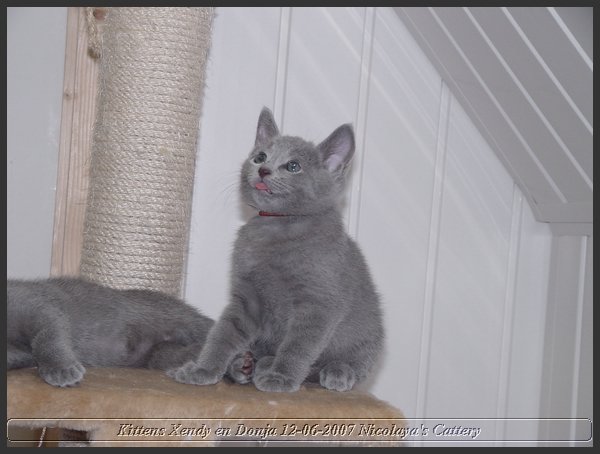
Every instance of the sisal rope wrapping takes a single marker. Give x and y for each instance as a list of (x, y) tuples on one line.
[(143, 154)]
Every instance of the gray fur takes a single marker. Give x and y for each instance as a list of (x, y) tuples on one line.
[(302, 300), (62, 325)]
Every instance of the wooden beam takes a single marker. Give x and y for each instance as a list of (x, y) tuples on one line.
[(78, 115)]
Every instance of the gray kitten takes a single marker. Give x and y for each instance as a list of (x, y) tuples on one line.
[(303, 306), (60, 325)]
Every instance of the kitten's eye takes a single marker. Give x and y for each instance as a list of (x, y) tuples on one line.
[(260, 158), (293, 166)]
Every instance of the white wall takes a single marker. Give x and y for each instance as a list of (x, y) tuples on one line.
[(34, 71), (460, 262)]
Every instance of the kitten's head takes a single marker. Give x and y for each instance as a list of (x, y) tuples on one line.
[(289, 175)]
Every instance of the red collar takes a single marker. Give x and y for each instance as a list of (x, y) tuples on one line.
[(267, 213)]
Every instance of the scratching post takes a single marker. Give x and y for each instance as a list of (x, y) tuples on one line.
[(151, 79)]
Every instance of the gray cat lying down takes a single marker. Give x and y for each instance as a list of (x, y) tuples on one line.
[(61, 325), (303, 305)]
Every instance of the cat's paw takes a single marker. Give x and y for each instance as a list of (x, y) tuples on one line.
[(192, 374), (337, 376), (62, 376), (266, 379), (276, 382), (241, 369)]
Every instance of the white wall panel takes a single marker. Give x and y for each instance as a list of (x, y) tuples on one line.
[(34, 75), (528, 317), (396, 196), (583, 407), (323, 70), (475, 227), (567, 376)]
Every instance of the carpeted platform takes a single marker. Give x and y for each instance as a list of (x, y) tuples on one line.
[(139, 407)]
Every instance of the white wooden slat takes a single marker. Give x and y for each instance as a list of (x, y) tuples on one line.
[(320, 96), (585, 56), (579, 21), (563, 323), (352, 211), (433, 250), (585, 387), (527, 340), (579, 340), (520, 113), (573, 228), (512, 269), (471, 277), (396, 197), (572, 212), (559, 54), (285, 19), (535, 84), (547, 69), (475, 97)]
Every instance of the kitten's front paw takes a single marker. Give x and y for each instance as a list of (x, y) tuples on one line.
[(337, 376), (193, 374), (62, 376), (266, 379), (276, 382)]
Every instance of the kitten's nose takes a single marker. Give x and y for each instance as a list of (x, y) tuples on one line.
[(263, 172)]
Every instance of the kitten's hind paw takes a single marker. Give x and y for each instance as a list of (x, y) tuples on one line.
[(62, 376), (190, 373), (241, 369), (337, 376)]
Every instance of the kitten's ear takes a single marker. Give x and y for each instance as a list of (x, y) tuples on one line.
[(338, 148), (266, 129)]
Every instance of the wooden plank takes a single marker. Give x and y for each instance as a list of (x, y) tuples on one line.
[(78, 113)]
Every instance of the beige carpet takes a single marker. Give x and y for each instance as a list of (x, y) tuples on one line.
[(139, 407)]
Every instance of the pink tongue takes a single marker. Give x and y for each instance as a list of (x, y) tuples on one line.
[(261, 186)]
